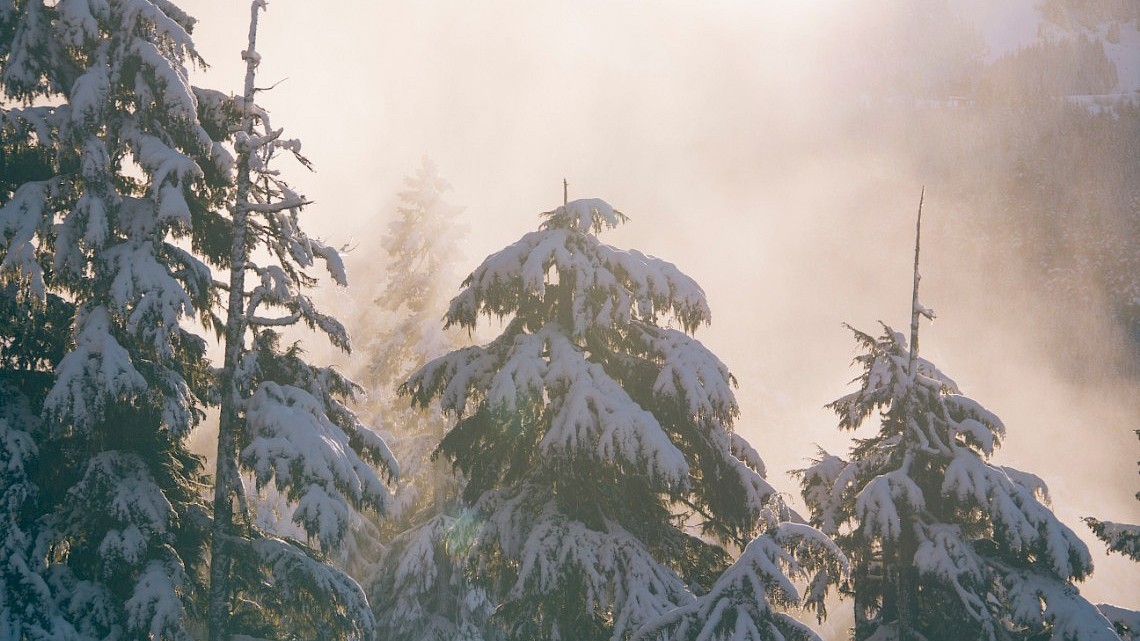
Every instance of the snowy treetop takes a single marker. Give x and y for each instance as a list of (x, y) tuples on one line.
[(585, 215), (586, 425), (422, 245), (601, 285), (945, 418)]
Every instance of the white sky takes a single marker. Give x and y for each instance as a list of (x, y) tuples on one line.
[(710, 125)]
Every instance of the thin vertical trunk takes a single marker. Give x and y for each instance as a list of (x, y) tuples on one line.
[(227, 484), (906, 577), (916, 309), (863, 586)]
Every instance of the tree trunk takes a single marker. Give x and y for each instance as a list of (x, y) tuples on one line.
[(907, 581), (864, 583), (227, 484)]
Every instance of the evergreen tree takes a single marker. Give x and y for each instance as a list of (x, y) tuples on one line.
[(943, 543), (283, 419), (604, 480), (422, 244), (111, 164), (418, 588), (115, 171), (923, 514)]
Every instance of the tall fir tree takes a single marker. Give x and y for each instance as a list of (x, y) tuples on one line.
[(418, 588), (110, 171), (283, 419), (402, 332), (604, 479), (116, 172), (943, 543)]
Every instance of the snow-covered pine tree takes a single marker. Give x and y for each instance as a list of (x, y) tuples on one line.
[(604, 480), (283, 419), (112, 167), (943, 543), (402, 332), (418, 588)]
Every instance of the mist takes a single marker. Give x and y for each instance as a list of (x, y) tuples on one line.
[(757, 146)]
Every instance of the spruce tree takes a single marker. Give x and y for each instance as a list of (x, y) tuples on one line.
[(604, 479), (418, 588), (117, 175), (401, 331), (110, 162), (283, 419), (943, 543)]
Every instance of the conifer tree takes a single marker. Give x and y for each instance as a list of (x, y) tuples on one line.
[(943, 543), (283, 419), (402, 332), (603, 476), (418, 588), (115, 174), (110, 163)]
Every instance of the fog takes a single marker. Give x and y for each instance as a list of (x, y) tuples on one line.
[(742, 139)]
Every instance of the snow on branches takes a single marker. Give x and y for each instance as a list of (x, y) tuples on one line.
[(739, 607), (312, 460), (982, 537), (97, 371), (601, 285), (423, 593), (582, 426)]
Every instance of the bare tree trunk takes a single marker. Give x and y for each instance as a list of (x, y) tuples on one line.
[(906, 576), (227, 484)]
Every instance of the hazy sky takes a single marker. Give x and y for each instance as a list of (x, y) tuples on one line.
[(713, 126)]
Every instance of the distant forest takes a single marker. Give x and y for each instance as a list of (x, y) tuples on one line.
[(1041, 155)]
